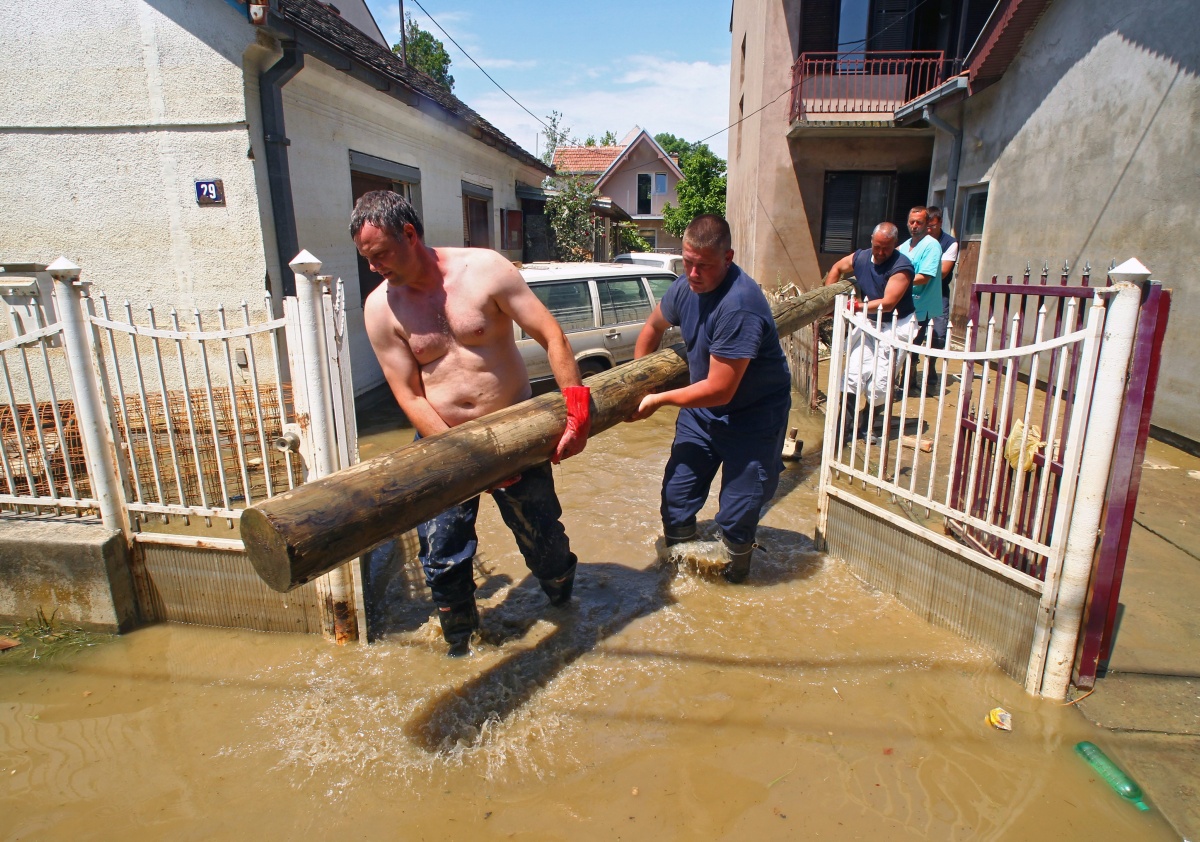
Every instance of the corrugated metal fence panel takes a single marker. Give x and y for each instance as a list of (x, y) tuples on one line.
[(947, 590), (220, 588)]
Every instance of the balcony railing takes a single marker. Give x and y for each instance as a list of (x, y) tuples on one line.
[(865, 86)]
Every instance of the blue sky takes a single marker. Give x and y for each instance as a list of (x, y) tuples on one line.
[(660, 65)]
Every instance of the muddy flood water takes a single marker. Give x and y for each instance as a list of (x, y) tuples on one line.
[(803, 704)]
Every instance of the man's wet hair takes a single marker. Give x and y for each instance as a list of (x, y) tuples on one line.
[(934, 212), (887, 229), (709, 231), (919, 209), (387, 211)]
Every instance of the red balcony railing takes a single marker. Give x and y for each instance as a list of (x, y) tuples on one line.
[(864, 86)]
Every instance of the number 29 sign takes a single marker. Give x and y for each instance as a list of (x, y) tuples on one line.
[(210, 192)]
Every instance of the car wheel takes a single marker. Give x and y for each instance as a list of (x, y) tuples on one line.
[(591, 366)]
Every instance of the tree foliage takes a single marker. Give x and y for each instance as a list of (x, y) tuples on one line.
[(702, 189), (628, 238), (569, 213), (555, 133), (426, 53), (608, 139)]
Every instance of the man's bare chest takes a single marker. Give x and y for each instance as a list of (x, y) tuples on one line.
[(434, 327)]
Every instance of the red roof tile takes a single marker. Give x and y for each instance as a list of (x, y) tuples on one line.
[(585, 160)]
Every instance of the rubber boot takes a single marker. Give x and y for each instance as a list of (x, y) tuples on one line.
[(559, 590), (678, 534), (459, 622), (739, 560)]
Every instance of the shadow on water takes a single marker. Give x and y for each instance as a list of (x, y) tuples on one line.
[(607, 598)]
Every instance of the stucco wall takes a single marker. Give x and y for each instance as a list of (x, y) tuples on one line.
[(116, 107), (113, 109), (1088, 146)]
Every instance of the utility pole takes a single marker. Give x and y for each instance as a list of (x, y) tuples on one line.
[(403, 37)]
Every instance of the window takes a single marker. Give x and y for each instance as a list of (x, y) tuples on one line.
[(650, 235), (659, 284), (643, 194), (570, 302), (477, 215), (973, 213), (369, 173), (511, 236), (623, 300), (660, 183), (855, 202)]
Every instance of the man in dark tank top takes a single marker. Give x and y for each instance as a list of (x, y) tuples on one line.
[(884, 279)]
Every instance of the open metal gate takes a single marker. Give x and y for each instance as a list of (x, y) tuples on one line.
[(970, 482)]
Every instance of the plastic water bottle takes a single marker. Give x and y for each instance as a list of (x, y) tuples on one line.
[(1122, 784)]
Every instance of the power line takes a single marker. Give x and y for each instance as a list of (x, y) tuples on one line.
[(481, 70)]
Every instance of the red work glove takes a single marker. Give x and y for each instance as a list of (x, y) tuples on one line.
[(579, 422), (858, 305)]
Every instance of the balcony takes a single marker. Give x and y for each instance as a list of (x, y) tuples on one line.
[(860, 88)]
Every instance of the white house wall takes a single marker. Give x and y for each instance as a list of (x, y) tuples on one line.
[(1088, 145), (113, 109)]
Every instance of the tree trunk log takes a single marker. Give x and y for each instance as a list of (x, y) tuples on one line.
[(296, 536)]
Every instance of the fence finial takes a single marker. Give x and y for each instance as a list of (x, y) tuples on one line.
[(63, 270)]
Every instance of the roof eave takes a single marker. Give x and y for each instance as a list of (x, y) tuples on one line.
[(332, 55)]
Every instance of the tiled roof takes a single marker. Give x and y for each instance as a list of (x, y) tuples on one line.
[(585, 160), (1001, 39), (318, 21)]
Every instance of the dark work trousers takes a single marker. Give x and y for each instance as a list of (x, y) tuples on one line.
[(750, 464), (531, 510)]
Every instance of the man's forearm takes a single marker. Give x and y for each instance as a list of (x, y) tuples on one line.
[(562, 362)]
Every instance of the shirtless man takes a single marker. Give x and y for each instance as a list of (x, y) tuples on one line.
[(442, 329)]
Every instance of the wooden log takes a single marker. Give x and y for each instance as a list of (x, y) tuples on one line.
[(296, 536)]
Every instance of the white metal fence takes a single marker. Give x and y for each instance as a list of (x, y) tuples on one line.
[(164, 425), (970, 531)]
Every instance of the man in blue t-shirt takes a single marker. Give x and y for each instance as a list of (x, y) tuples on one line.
[(949, 260), (733, 414), (884, 279)]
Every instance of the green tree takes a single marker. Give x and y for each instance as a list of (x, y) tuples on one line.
[(609, 139), (426, 53), (673, 145), (628, 238), (555, 133), (702, 189), (569, 213)]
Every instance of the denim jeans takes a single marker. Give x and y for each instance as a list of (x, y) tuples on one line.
[(750, 464), (531, 510)]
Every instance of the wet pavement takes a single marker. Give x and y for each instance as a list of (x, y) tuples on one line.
[(803, 704)]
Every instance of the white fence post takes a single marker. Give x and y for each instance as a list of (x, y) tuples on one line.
[(316, 366), (89, 408), (1103, 416), (337, 586)]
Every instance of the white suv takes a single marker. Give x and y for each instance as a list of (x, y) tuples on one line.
[(601, 307), (673, 263)]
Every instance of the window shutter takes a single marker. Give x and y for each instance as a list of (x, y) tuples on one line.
[(889, 29), (818, 26), (841, 206)]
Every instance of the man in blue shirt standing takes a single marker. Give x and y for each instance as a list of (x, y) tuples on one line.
[(733, 414), (925, 254), (949, 260)]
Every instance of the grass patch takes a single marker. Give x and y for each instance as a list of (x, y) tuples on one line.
[(45, 640)]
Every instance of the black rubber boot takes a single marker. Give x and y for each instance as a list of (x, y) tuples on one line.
[(559, 590), (678, 534), (739, 560), (459, 622)]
